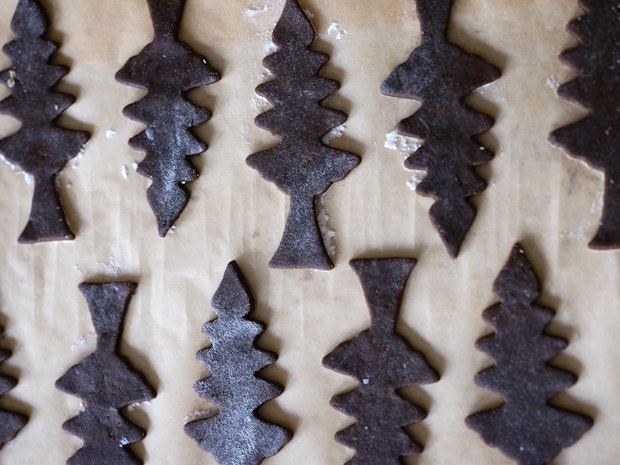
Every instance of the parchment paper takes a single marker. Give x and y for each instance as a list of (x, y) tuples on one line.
[(537, 195)]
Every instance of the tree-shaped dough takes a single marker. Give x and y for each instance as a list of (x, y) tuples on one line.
[(300, 165), (527, 428), (596, 138), (40, 147), (10, 422), (106, 382), (167, 68), (440, 75), (236, 435), (383, 363)]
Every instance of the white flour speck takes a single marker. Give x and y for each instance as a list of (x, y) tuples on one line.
[(110, 133), (323, 219), (112, 267), (334, 28), (396, 141), (415, 179), (124, 171), (336, 132), (79, 342), (256, 10), (130, 407), (198, 415), (553, 83)]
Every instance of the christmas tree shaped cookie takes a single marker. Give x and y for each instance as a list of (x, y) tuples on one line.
[(40, 147), (10, 422), (236, 435), (596, 138), (527, 428), (106, 382), (301, 165), (440, 75), (167, 68), (383, 362)]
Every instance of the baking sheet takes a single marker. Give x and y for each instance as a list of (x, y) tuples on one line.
[(537, 195)]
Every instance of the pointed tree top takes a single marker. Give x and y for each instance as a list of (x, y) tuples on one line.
[(107, 303), (517, 280), (293, 26), (166, 16), (233, 297), (383, 281), (29, 19)]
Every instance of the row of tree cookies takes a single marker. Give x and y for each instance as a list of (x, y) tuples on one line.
[(438, 73), (526, 427)]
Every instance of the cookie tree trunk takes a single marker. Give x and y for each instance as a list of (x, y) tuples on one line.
[(300, 165), (40, 147)]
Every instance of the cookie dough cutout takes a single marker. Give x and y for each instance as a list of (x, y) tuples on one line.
[(10, 422), (236, 435), (106, 382), (301, 165), (526, 428), (167, 68), (383, 363), (40, 147), (440, 75), (596, 138)]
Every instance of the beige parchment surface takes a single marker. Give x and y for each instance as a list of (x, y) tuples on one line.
[(537, 195)]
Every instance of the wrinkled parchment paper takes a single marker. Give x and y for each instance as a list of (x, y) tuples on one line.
[(537, 195)]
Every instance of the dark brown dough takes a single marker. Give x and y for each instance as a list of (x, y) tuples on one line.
[(41, 148), (440, 75), (106, 382), (10, 422), (596, 138), (383, 362), (300, 165), (527, 428), (167, 68), (236, 435)]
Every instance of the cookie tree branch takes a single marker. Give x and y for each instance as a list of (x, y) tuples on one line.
[(236, 435), (596, 138), (441, 75), (527, 428), (167, 68), (41, 148), (383, 363), (10, 422), (301, 165), (106, 382)]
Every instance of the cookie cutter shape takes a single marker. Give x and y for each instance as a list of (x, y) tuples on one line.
[(596, 138), (10, 422), (106, 382), (236, 435), (40, 147), (167, 68), (383, 362), (440, 75), (526, 428), (301, 165)]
